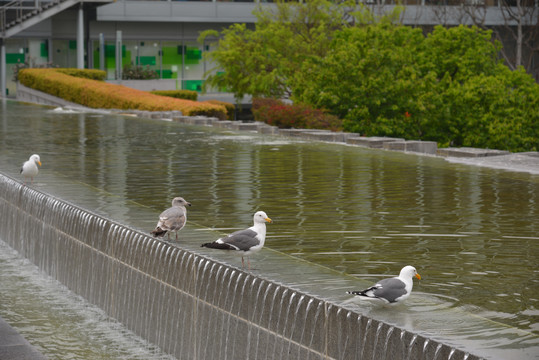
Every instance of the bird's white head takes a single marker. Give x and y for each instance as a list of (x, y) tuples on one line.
[(409, 272), (179, 201), (261, 217), (35, 158)]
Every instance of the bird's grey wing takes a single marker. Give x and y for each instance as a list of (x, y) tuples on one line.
[(243, 239), (172, 219), (390, 289)]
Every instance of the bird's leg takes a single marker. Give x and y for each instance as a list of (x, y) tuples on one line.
[(248, 263), (176, 235), (242, 264)]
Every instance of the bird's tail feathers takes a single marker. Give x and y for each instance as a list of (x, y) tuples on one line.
[(362, 292), (216, 245), (158, 232)]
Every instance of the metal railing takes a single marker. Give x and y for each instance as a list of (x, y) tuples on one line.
[(17, 11)]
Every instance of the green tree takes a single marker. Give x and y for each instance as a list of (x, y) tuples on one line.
[(370, 79), (449, 87), (261, 61)]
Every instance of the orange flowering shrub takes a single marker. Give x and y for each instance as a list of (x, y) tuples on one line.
[(299, 116), (102, 95)]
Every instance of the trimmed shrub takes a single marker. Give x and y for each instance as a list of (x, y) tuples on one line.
[(178, 94), (99, 75), (230, 108), (275, 112), (99, 94)]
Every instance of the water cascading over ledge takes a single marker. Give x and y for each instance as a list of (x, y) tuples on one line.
[(189, 305)]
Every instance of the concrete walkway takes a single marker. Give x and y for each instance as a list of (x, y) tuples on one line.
[(14, 347)]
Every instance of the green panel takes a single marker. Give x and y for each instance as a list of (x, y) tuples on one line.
[(126, 57), (72, 44), (172, 55), (110, 63), (146, 60), (110, 50), (193, 55), (195, 85), (167, 74), (44, 50), (14, 58)]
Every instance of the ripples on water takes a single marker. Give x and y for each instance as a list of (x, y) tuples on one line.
[(471, 232)]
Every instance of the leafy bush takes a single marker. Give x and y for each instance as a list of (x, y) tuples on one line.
[(99, 94), (275, 112), (137, 72), (178, 94), (448, 87)]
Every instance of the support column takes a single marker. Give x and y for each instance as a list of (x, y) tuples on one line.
[(3, 68), (119, 55), (80, 39), (101, 51)]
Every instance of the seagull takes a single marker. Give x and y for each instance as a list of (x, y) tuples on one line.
[(247, 241), (172, 219), (391, 290), (29, 169)]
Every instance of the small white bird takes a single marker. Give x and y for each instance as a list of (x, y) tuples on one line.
[(392, 290), (172, 219), (29, 169), (247, 241)]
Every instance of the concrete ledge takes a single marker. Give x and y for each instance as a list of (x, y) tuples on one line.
[(30, 95), (424, 147), (469, 152), (15, 347), (374, 142)]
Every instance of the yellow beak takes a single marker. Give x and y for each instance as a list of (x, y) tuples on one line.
[(39, 162), (418, 276), (268, 220)]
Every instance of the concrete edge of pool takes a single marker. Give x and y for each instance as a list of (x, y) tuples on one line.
[(27, 94), (178, 299)]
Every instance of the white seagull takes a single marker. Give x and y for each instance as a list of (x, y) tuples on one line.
[(29, 169), (392, 290), (172, 219), (247, 241)]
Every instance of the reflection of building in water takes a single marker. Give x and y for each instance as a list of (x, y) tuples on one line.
[(161, 36)]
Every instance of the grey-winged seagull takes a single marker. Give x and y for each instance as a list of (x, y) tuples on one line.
[(247, 241), (172, 219), (29, 169), (392, 290)]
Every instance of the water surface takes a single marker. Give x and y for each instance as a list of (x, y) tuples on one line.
[(471, 232)]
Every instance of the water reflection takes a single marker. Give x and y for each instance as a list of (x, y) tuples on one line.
[(471, 232)]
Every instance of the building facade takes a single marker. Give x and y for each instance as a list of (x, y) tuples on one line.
[(161, 36)]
